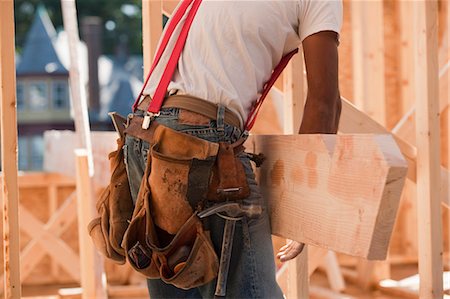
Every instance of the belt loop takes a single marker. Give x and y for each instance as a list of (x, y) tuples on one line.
[(220, 118)]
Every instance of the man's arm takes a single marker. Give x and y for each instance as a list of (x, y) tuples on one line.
[(323, 102)]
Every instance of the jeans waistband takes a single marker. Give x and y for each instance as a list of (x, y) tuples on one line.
[(216, 112)]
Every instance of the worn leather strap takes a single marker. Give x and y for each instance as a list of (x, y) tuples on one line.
[(195, 105), (135, 129)]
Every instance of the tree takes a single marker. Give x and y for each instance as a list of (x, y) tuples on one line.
[(122, 20)]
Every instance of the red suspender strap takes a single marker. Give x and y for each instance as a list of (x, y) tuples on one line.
[(165, 40), (275, 74), (161, 90)]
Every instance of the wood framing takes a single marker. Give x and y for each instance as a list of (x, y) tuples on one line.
[(355, 121), (368, 58), (313, 182), (428, 148), (78, 92), (151, 30), (294, 94), (92, 280), (294, 102), (46, 236), (8, 121)]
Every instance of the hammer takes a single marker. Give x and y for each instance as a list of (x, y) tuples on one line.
[(235, 211)]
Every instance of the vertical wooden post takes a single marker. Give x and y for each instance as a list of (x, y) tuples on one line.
[(52, 191), (93, 280), (92, 274), (294, 99), (294, 94), (428, 148), (151, 30), (406, 55), (368, 58), (78, 92), (8, 120), (298, 278)]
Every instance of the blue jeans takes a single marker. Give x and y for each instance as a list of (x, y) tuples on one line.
[(252, 267)]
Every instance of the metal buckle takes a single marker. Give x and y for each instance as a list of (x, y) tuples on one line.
[(148, 119)]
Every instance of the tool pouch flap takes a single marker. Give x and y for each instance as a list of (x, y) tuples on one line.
[(139, 255), (189, 260), (172, 158), (228, 181), (115, 207)]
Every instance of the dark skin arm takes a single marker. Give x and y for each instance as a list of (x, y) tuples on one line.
[(323, 102)]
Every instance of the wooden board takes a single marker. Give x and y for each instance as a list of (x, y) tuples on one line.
[(8, 119), (336, 192), (428, 152)]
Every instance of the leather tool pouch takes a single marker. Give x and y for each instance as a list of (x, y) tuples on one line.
[(228, 181), (174, 245), (115, 208)]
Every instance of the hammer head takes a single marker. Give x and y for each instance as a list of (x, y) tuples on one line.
[(233, 209)]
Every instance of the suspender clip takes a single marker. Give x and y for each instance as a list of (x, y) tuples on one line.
[(148, 119)]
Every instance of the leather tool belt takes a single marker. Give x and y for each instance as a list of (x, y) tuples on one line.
[(162, 237)]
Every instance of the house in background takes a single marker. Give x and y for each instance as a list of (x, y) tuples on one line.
[(43, 95)]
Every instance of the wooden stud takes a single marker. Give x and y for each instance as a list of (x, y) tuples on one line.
[(93, 280), (294, 94), (294, 99), (151, 30), (334, 273), (368, 58), (78, 92), (447, 191), (428, 148), (298, 278), (53, 206), (406, 55), (8, 123)]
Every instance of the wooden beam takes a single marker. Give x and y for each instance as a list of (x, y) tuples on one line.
[(151, 30), (428, 148), (315, 182), (334, 274), (356, 121), (78, 92), (93, 280), (54, 247), (406, 55), (294, 102), (30, 180), (298, 278), (294, 94), (8, 123), (368, 58)]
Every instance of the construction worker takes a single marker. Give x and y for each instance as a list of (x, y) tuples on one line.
[(229, 55)]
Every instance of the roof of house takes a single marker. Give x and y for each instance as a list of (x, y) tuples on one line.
[(39, 56), (46, 53)]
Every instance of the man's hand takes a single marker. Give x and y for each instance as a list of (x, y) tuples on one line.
[(290, 251)]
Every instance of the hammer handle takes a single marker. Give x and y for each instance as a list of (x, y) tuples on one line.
[(225, 256)]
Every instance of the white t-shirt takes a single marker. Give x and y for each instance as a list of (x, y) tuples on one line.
[(233, 46)]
